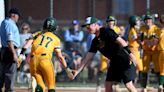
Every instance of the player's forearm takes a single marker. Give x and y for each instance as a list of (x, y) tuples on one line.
[(62, 60), (84, 63), (86, 60), (28, 44)]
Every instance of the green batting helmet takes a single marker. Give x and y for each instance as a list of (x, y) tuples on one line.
[(147, 16), (110, 18), (50, 24), (133, 19)]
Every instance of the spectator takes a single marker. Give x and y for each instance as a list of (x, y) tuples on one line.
[(24, 35), (73, 37), (76, 59), (10, 42)]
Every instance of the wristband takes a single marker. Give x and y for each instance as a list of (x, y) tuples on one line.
[(23, 50)]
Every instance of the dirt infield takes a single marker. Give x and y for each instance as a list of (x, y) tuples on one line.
[(83, 89)]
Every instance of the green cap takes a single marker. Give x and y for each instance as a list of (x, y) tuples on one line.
[(110, 18), (90, 20), (148, 17)]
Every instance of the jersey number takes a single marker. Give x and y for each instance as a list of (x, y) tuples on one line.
[(48, 40)]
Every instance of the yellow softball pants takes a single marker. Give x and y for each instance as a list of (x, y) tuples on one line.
[(150, 56), (136, 53), (41, 67), (103, 63), (161, 62)]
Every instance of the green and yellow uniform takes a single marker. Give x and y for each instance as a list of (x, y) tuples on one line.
[(117, 29), (41, 66), (161, 57), (150, 52), (134, 47), (103, 63)]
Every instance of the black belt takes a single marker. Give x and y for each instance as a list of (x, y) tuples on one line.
[(43, 54)]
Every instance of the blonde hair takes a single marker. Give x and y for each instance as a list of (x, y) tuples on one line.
[(27, 25)]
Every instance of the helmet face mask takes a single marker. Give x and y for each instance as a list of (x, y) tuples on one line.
[(50, 24)]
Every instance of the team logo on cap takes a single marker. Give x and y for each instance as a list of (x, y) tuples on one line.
[(88, 20)]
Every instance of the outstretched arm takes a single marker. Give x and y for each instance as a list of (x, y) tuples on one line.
[(60, 57), (23, 50), (28, 43), (85, 61), (63, 62)]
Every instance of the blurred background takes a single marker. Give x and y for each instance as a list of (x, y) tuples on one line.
[(34, 12), (65, 11)]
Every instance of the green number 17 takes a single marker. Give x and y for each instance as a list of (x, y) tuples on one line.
[(47, 42)]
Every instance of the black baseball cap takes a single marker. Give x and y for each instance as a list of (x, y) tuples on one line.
[(14, 11)]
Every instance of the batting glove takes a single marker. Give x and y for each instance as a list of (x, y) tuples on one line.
[(20, 59)]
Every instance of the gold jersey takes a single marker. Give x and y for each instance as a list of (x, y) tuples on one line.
[(161, 41), (117, 29), (132, 38), (149, 35), (45, 43)]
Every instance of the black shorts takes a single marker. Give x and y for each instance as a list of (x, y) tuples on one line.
[(120, 70)]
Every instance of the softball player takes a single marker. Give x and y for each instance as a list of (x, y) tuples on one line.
[(150, 54), (161, 54), (133, 39), (111, 23), (43, 45)]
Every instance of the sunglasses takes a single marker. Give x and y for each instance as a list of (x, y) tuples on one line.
[(25, 28)]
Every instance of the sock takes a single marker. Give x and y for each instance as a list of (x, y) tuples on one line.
[(144, 80), (51, 90), (38, 88)]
